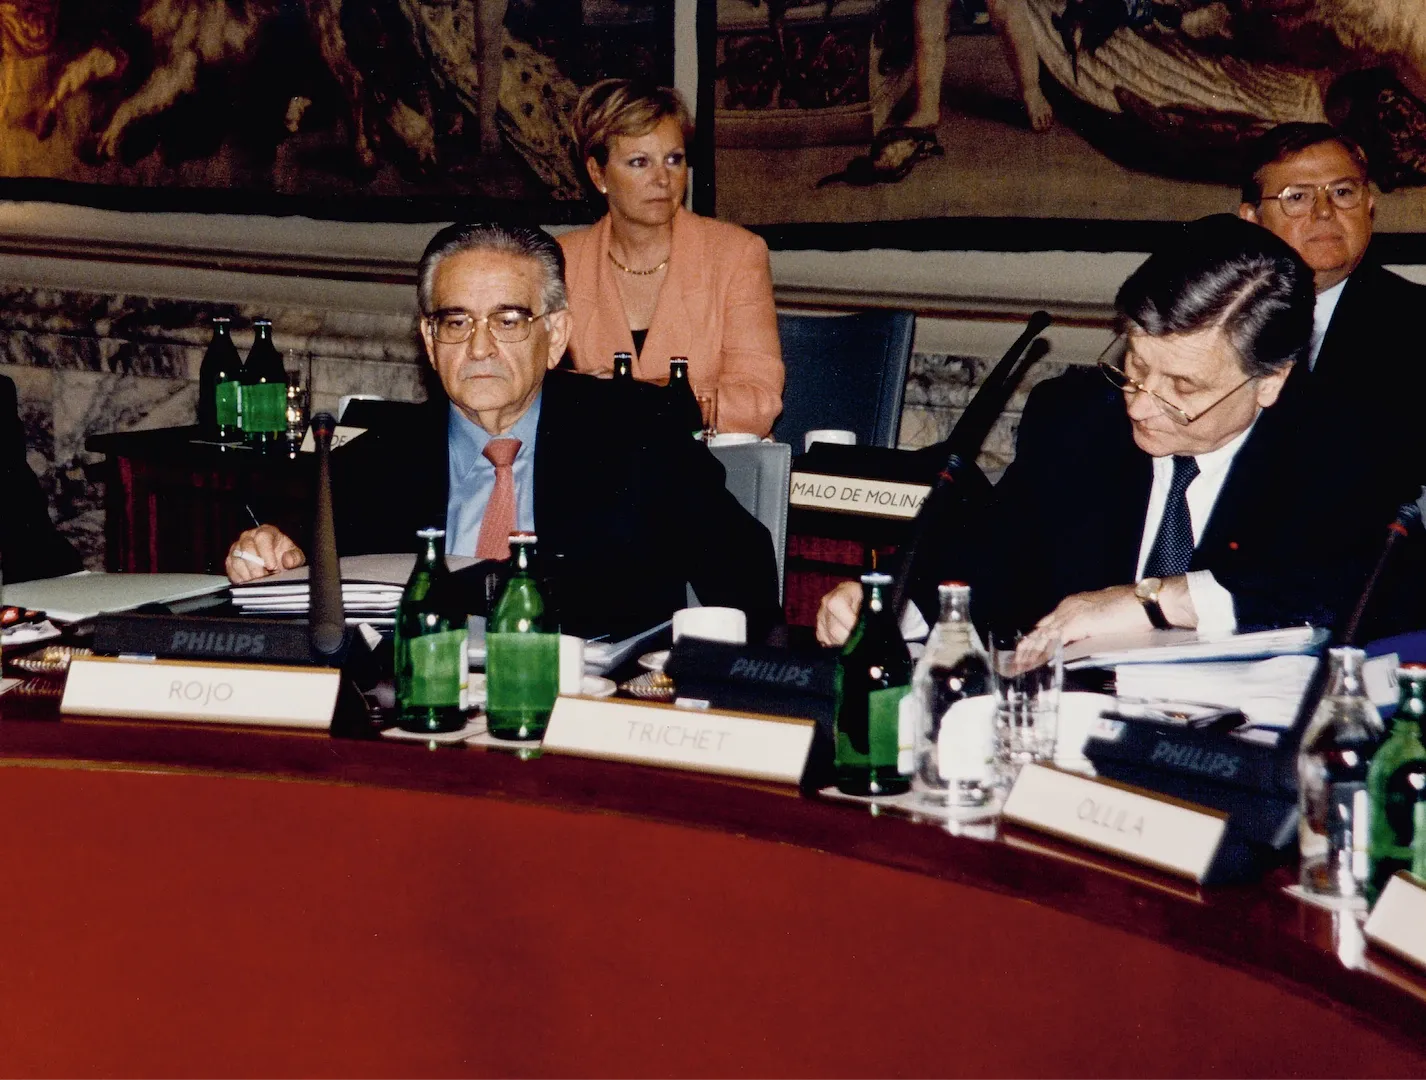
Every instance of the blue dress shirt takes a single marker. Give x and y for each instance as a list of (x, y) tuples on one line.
[(471, 476)]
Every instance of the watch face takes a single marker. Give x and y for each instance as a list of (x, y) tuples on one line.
[(1148, 589)]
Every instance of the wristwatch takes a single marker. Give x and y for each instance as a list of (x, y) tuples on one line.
[(1147, 593)]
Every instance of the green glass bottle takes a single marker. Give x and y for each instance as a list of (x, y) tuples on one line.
[(430, 643), (1396, 788), (521, 652), (682, 399), (873, 675), (264, 390), (218, 381)]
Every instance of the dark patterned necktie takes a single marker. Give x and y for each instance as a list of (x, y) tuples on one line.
[(1173, 547)]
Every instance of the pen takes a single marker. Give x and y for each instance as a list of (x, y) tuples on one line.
[(256, 523), (249, 557)]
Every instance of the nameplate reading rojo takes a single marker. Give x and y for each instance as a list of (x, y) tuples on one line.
[(263, 694), (734, 744), (1139, 826), (1398, 922), (857, 495)]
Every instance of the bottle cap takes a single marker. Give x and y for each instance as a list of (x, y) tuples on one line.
[(947, 586), (223, 320), (524, 538), (682, 360), (876, 577), (262, 320), (1415, 672), (430, 534)]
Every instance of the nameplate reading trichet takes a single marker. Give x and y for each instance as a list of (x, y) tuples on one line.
[(703, 740), (1398, 922), (264, 694), (1144, 828)]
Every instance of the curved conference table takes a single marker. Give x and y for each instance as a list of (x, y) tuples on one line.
[(194, 900)]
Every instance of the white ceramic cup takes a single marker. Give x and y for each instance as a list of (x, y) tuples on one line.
[(571, 664), (733, 438), (840, 436), (711, 624)]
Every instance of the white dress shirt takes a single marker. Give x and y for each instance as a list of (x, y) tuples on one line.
[(1212, 602), (1322, 317)]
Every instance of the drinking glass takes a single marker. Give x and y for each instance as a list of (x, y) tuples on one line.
[(1028, 675), (299, 398), (708, 406)]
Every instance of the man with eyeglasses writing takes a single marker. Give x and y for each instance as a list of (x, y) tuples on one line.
[(1161, 489), (628, 509)]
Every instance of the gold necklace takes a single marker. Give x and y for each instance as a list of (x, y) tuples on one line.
[(640, 273)]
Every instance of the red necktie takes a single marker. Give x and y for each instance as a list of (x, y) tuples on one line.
[(499, 520)]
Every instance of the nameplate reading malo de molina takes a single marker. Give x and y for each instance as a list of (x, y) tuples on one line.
[(857, 495)]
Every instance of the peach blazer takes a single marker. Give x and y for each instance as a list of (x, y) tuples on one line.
[(715, 307)]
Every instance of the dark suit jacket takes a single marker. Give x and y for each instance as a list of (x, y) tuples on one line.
[(1068, 517), (1363, 401), (30, 545), (628, 508)]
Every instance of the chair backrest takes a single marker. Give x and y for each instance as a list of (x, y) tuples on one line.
[(758, 475), (844, 371)]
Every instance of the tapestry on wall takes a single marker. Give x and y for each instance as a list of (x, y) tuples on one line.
[(380, 109), (1025, 111)]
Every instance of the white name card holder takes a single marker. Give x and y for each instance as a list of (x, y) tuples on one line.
[(1154, 830), (702, 740), (341, 435), (1398, 922), (857, 495), (262, 694)]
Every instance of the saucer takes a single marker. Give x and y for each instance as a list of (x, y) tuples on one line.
[(654, 661)]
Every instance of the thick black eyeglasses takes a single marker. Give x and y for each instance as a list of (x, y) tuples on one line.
[(1120, 379), (456, 325)]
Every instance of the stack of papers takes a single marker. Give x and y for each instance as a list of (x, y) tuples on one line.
[(1268, 692), (371, 588), (1168, 646)]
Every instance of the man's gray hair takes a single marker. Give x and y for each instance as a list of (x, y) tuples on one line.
[(528, 241)]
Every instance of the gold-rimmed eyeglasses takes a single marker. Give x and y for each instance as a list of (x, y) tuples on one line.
[(454, 326), (1297, 200), (1120, 379)]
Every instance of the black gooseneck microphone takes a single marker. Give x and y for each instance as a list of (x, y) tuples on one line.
[(1407, 516), (327, 622), (959, 480)]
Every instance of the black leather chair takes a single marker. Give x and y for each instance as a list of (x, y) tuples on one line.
[(844, 371)]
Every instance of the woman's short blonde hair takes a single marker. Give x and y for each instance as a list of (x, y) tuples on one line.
[(626, 107)]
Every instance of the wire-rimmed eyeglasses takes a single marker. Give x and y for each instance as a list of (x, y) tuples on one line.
[(1120, 379), (453, 326), (1297, 200)]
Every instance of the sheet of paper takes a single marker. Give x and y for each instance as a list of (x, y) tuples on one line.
[(86, 594)]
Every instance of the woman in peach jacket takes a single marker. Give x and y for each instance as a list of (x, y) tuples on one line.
[(655, 280)]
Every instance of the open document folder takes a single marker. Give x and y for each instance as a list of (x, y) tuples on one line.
[(86, 594), (371, 587), (1174, 646)]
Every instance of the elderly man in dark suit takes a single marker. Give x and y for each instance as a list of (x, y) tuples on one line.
[(1164, 489), (628, 509), (1365, 376), (30, 545)]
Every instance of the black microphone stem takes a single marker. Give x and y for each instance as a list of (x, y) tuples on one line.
[(326, 617)]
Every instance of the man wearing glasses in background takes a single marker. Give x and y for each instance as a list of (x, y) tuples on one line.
[(1365, 376), (1167, 487), (628, 508)]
